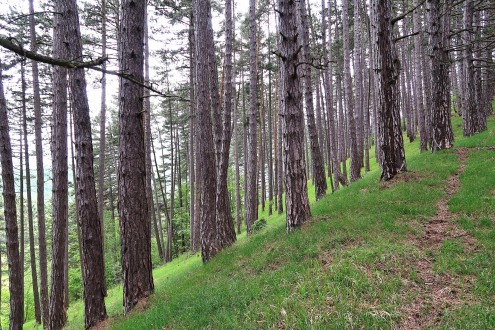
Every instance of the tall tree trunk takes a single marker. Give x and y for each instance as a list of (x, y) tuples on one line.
[(238, 206), (297, 202), (385, 65), (10, 213), (226, 229), (133, 206), (251, 205), (351, 121), (442, 135), (270, 131), (472, 121), (358, 82), (280, 179), (103, 111), (40, 179), (194, 244), (22, 219), (147, 143), (419, 99), (339, 178), (92, 239), (318, 167), (58, 312), (74, 180), (32, 253), (209, 244), (164, 197), (262, 136), (170, 218)]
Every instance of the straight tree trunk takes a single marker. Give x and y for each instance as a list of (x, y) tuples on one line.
[(351, 121), (58, 312), (133, 207), (419, 99), (225, 223), (385, 65), (358, 81), (91, 224), (206, 151), (194, 244), (103, 111), (442, 135), (40, 179), (472, 113), (16, 318), (297, 202), (238, 206), (262, 138), (32, 253), (74, 180), (318, 167), (251, 205), (270, 131), (280, 179), (147, 143), (170, 218), (22, 228), (339, 178)]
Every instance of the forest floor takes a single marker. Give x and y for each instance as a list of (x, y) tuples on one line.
[(417, 252)]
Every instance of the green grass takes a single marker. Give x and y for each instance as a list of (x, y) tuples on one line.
[(349, 267)]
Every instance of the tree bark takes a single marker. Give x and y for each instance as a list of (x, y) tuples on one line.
[(9, 208), (318, 167), (297, 203), (32, 253), (194, 244), (355, 165), (133, 207), (419, 99), (439, 14), (209, 244), (339, 178), (386, 67), (40, 182), (225, 223), (58, 313), (103, 111), (91, 223), (251, 205)]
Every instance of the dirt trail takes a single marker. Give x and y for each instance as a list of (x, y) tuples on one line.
[(435, 292)]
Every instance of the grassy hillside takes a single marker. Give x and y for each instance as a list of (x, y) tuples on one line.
[(360, 262)]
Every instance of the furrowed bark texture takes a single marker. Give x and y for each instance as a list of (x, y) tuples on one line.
[(320, 180), (40, 182), (16, 318), (355, 163), (225, 223), (297, 203), (386, 67), (441, 126), (251, 205), (133, 207), (206, 151), (90, 221), (58, 313)]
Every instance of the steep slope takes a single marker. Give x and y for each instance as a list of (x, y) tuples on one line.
[(369, 258)]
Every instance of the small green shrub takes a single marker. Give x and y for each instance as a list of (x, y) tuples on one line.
[(258, 225)]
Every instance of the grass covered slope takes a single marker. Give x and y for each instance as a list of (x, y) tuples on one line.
[(354, 265)]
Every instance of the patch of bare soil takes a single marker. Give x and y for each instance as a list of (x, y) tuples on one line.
[(401, 177), (103, 325), (141, 305), (435, 292)]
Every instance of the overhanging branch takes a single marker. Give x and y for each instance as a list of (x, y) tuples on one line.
[(8, 44)]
